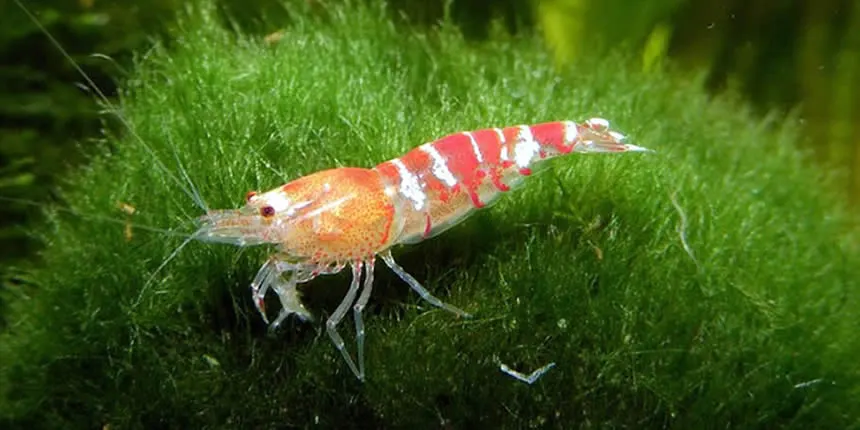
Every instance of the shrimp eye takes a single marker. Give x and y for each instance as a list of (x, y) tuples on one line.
[(250, 195), (267, 211)]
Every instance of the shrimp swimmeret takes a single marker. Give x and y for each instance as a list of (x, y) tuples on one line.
[(348, 216)]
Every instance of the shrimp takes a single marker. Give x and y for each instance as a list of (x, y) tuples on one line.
[(326, 221)]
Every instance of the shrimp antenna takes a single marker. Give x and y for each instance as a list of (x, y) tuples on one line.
[(99, 218), (192, 190), (158, 269)]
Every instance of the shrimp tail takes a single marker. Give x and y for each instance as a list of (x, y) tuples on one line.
[(594, 135)]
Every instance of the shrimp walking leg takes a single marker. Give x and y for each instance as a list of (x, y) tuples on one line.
[(340, 312), (359, 306), (389, 260)]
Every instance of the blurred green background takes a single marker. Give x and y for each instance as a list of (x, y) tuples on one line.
[(785, 57)]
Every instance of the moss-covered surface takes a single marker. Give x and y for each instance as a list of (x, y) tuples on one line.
[(710, 284)]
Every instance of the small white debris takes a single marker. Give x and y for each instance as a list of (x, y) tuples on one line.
[(808, 383), (528, 379)]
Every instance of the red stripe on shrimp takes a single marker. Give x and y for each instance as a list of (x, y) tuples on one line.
[(458, 159), (519, 148), (420, 163), (552, 138), (489, 144), (489, 141), (389, 172)]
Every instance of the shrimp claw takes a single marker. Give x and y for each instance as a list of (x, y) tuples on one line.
[(269, 276)]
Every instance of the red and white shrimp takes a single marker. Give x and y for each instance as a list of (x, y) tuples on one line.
[(348, 216)]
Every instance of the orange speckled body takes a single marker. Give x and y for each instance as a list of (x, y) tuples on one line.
[(350, 216)]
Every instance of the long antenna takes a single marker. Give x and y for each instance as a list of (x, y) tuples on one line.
[(98, 217), (192, 191)]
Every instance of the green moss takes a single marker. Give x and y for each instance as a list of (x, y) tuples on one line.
[(704, 285)]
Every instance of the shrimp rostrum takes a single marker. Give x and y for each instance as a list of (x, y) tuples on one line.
[(326, 221)]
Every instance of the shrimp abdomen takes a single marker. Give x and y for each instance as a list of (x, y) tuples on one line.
[(443, 182)]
